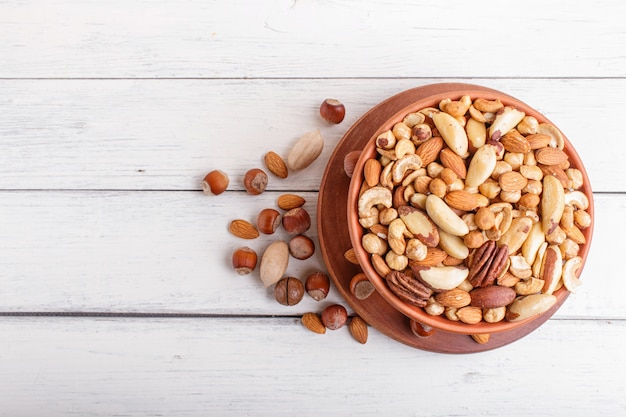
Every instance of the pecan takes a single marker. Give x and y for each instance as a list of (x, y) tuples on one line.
[(408, 288), (487, 264)]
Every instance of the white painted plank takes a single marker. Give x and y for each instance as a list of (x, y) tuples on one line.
[(170, 252), (238, 39), (166, 134), (271, 367)]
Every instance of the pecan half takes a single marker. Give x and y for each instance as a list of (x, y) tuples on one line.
[(408, 288), (487, 264)]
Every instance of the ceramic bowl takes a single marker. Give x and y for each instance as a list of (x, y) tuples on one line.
[(418, 314)]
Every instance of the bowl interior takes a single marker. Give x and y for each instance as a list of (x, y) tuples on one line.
[(356, 231)]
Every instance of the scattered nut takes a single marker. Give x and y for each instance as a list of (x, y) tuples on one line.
[(268, 221), (289, 291), (333, 111), (255, 181), (276, 165), (334, 316), (244, 260), (243, 229), (313, 322), (290, 201), (215, 182), (301, 247), (358, 329), (296, 221), (317, 285)]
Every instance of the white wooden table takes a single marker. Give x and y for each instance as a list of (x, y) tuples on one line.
[(116, 292)]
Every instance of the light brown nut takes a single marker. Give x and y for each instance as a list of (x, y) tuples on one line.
[(386, 140), (512, 181), (474, 239), (243, 229), (538, 140), (453, 298), (401, 131), (571, 269), (494, 315), (452, 132), (530, 286), (276, 165), (380, 265), (274, 262), (481, 166), (516, 234), (552, 203), (550, 156), (372, 171), (556, 138), (290, 201), (476, 131), (433, 307), (465, 201), (434, 256), (528, 125), (350, 256), (429, 150), (358, 329), (445, 217), (485, 219), (506, 119), (453, 245), (374, 244), (450, 159), (313, 322), (306, 150), (514, 141), (470, 315)]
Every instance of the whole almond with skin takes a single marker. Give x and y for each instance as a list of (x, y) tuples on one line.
[(243, 229), (538, 140), (372, 171), (313, 322), (515, 142), (358, 329), (550, 156), (512, 181), (305, 151), (290, 201), (276, 165), (451, 160), (429, 150), (455, 297), (465, 201), (434, 256), (470, 314), (481, 338)]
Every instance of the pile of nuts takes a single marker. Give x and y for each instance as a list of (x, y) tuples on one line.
[(472, 211), (295, 220)]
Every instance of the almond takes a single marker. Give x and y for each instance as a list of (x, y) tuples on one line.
[(429, 150), (276, 165), (350, 256), (481, 338), (372, 171), (313, 322), (512, 181), (358, 329), (465, 201), (470, 314), (538, 140), (451, 160), (550, 156), (515, 142), (455, 297), (290, 201), (434, 256), (243, 229)]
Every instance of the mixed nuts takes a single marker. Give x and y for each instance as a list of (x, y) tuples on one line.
[(473, 211)]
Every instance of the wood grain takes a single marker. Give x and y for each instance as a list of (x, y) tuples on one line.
[(265, 39), (167, 134), (137, 367)]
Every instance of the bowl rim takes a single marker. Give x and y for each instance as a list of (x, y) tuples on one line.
[(356, 231)]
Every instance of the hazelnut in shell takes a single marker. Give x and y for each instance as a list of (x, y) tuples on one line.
[(255, 181), (332, 110), (244, 260), (289, 291), (215, 182), (268, 221), (317, 285), (334, 316), (296, 221)]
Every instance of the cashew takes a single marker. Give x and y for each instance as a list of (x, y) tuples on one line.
[(401, 131), (529, 286), (519, 267), (569, 249), (571, 269), (488, 106), (556, 138), (373, 197), (577, 200), (385, 176), (416, 250), (528, 125), (404, 147), (397, 228), (433, 307), (575, 177), (404, 164), (582, 219), (413, 119)]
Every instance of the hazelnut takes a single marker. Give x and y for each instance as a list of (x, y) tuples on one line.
[(289, 291), (421, 330), (215, 182), (334, 316), (484, 218), (301, 247), (255, 181), (333, 111), (361, 287), (268, 221), (317, 285), (244, 260), (296, 221)]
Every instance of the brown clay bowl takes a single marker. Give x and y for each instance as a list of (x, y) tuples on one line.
[(356, 231)]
